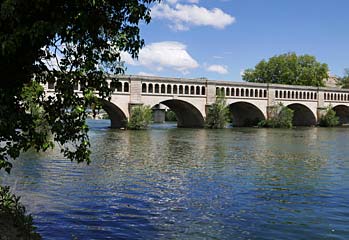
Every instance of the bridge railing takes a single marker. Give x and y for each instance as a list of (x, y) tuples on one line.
[(242, 92), (173, 89), (336, 96), (296, 95)]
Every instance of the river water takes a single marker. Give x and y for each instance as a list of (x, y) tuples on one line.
[(169, 183)]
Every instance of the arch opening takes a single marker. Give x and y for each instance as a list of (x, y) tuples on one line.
[(144, 88), (203, 90), (245, 114), (117, 117), (150, 88), (302, 115), (197, 90), (342, 112), (188, 116), (126, 87), (175, 89)]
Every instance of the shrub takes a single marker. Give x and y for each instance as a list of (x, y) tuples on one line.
[(281, 117), (14, 223), (141, 117), (329, 119), (285, 118), (218, 114), (170, 116), (105, 116)]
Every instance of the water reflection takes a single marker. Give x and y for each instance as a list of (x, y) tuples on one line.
[(169, 183)]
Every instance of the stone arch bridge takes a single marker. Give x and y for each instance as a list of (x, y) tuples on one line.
[(248, 102)]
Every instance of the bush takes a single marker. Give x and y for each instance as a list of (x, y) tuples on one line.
[(285, 118), (41, 130), (170, 116), (281, 117), (105, 116), (218, 114), (141, 117), (329, 119), (14, 223)]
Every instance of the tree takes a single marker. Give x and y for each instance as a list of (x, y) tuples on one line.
[(280, 117), (65, 42), (218, 113), (141, 117), (289, 69), (170, 116), (344, 81), (329, 119)]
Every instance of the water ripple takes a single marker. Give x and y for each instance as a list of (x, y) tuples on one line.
[(170, 183)]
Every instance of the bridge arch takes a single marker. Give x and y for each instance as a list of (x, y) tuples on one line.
[(302, 115), (342, 112), (188, 116), (245, 114), (117, 117)]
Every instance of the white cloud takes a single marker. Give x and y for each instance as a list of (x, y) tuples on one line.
[(126, 57), (218, 69), (146, 74), (176, 1), (183, 16), (163, 55)]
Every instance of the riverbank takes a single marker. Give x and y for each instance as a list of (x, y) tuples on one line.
[(15, 224)]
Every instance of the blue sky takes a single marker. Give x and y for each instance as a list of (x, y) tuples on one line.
[(218, 39)]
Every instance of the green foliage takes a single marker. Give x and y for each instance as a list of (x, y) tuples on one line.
[(14, 223), (329, 119), (281, 117), (289, 69), (218, 113), (141, 117), (41, 130), (344, 81), (170, 116), (64, 42), (105, 116)]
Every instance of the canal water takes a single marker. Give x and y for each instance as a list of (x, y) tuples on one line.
[(169, 183)]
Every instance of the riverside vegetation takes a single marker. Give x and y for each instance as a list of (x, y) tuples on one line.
[(218, 113), (329, 119), (140, 118), (170, 116), (14, 222), (281, 117)]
